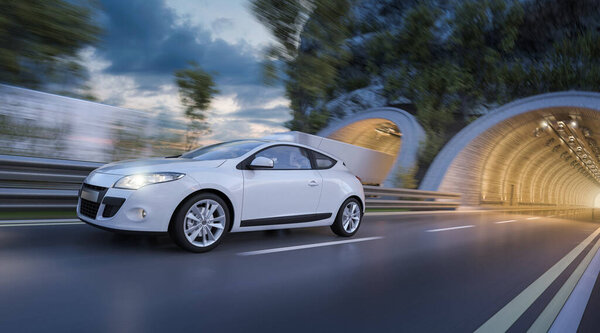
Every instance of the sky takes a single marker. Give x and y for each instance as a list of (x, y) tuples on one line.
[(145, 41)]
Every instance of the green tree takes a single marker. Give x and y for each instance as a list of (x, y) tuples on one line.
[(453, 60), (40, 42), (311, 65), (196, 91)]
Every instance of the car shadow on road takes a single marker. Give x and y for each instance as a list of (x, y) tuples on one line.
[(83, 239)]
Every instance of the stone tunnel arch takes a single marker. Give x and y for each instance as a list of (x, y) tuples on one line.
[(538, 151), (389, 130)]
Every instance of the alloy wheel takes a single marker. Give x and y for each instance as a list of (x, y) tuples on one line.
[(204, 223), (351, 217)]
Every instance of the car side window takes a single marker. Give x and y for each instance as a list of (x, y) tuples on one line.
[(287, 157), (322, 161)]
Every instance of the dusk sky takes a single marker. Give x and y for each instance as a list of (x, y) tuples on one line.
[(145, 41)]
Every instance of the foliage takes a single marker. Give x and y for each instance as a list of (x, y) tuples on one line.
[(452, 59), (309, 123), (196, 91), (311, 65), (406, 177), (40, 42)]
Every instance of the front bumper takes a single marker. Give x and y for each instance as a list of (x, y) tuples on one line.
[(148, 209)]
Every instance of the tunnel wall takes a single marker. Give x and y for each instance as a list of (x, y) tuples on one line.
[(412, 135), (503, 158)]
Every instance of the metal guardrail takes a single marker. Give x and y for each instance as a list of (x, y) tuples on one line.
[(31, 183), (400, 198)]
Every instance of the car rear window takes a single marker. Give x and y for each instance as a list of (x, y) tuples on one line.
[(323, 161)]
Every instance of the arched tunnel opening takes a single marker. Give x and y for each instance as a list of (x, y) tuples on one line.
[(373, 133), (544, 157)]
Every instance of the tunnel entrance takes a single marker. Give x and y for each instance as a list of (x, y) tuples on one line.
[(377, 134), (542, 151), (542, 158), (391, 131)]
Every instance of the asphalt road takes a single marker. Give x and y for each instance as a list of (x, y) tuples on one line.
[(413, 275)]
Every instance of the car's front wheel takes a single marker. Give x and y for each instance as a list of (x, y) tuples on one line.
[(200, 223), (348, 218)]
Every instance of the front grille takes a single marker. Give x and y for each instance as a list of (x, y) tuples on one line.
[(94, 187), (89, 208)]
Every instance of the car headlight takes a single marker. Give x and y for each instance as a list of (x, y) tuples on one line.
[(134, 182)]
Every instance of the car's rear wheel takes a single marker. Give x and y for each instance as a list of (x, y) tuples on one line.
[(201, 223), (348, 218)]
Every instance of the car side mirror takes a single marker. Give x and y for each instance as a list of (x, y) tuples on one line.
[(261, 163)]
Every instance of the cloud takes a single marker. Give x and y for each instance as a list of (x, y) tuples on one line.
[(147, 40), (221, 24)]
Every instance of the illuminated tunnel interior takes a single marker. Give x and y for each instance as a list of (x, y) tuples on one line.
[(377, 134), (549, 156), (391, 131)]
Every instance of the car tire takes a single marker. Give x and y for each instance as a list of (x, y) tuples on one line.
[(200, 223), (348, 219)]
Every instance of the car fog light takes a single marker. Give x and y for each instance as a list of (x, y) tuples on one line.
[(137, 214)]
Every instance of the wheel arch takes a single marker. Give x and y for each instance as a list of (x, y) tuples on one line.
[(360, 201), (216, 192)]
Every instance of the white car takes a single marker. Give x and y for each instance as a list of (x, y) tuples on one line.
[(235, 186)]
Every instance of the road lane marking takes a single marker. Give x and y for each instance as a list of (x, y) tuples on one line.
[(507, 221), (38, 221), (306, 246), (2, 225), (508, 315), (569, 318), (547, 317), (451, 228), (533, 218)]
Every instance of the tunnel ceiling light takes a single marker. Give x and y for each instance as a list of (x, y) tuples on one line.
[(388, 130), (576, 146)]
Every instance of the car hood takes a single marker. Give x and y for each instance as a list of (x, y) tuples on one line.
[(148, 165)]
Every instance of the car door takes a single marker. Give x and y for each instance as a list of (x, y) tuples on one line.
[(287, 193), (333, 188)]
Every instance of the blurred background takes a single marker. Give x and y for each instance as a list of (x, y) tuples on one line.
[(104, 80)]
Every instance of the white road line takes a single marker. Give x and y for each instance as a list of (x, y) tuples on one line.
[(533, 218), (39, 221), (2, 225), (451, 228), (547, 317), (507, 221), (569, 318), (306, 246), (506, 317)]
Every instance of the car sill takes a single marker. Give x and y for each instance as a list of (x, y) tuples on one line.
[(285, 220)]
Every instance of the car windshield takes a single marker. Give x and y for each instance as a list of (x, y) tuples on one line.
[(223, 151)]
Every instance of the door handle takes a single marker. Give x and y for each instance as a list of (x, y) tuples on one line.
[(313, 183)]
